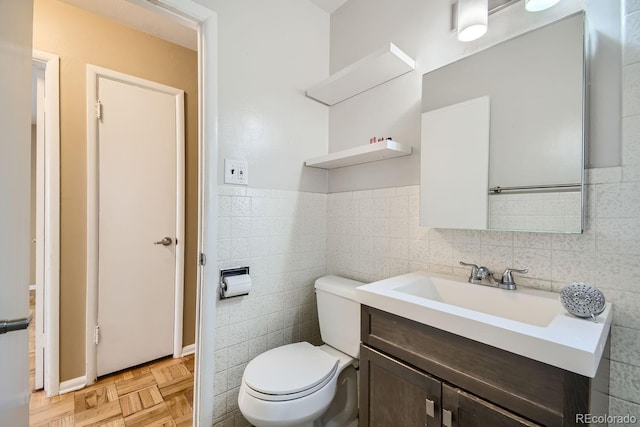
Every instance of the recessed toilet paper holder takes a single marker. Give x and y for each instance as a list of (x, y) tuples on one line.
[(238, 271)]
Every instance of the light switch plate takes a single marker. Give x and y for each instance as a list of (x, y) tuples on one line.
[(236, 172)]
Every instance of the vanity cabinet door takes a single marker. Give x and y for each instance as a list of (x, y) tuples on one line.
[(461, 409), (393, 394)]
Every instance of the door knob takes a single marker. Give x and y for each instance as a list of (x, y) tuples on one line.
[(166, 241)]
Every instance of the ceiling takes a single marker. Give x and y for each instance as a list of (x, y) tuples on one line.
[(139, 18), (157, 25), (329, 5)]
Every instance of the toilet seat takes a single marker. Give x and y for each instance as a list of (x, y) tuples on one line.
[(289, 372)]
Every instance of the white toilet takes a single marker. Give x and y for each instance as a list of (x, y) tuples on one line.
[(304, 385)]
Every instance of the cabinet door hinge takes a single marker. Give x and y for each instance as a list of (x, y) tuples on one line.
[(203, 259), (98, 110), (96, 337)]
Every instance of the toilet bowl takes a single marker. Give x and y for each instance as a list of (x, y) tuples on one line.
[(291, 385), (301, 384)]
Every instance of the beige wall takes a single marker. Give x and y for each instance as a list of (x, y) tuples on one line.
[(81, 38)]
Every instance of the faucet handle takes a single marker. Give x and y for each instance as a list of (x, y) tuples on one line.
[(477, 273), (467, 264), (474, 269), (507, 277)]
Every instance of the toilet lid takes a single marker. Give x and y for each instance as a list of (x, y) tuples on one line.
[(290, 369)]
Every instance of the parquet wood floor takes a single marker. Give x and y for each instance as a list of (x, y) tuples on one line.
[(156, 394)]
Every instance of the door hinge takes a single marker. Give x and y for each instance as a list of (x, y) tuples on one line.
[(96, 337), (203, 259), (98, 110)]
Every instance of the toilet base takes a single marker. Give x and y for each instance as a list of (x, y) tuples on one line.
[(343, 410)]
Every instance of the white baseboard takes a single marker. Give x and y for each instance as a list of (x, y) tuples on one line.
[(190, 349), (73, 384)]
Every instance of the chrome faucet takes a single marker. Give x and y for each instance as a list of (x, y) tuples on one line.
[(479, 274)]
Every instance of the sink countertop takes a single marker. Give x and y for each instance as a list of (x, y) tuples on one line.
[(528, 322)]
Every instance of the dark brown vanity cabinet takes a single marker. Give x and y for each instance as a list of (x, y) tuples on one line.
[(463, 409), (415, 375), (397, 394)]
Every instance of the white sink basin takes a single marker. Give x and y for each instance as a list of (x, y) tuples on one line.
[(528, 322), (535, 308)]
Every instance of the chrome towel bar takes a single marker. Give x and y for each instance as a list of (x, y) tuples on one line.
[(15, 324), (498, 190)]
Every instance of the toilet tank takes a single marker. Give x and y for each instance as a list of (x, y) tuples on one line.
[(339, 313)]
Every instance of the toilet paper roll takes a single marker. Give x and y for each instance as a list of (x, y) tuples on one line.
[(236, 285)]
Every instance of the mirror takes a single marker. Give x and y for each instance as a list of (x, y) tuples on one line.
[(503, 135)]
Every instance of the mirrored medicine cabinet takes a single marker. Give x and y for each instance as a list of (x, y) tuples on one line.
[(503, 135)]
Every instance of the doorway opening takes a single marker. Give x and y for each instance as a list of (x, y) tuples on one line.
[(202, 19)]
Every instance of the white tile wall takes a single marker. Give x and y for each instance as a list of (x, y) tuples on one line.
[(281, 236), (618, 233), (374, 233), (553, 211), (290, 238), (606, 255), (385, 240)]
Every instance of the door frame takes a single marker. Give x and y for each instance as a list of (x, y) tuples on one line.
[(205, 21), (93, 209), (48, 308), (38, 150)]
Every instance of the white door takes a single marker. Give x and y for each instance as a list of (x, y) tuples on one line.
[(137, 137), (15, 137)]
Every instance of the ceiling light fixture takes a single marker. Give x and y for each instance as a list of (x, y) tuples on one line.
[(538, 5), (470, 17), (473, 16)]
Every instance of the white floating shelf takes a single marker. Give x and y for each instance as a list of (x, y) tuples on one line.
[(367, 153), (379, 67)]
